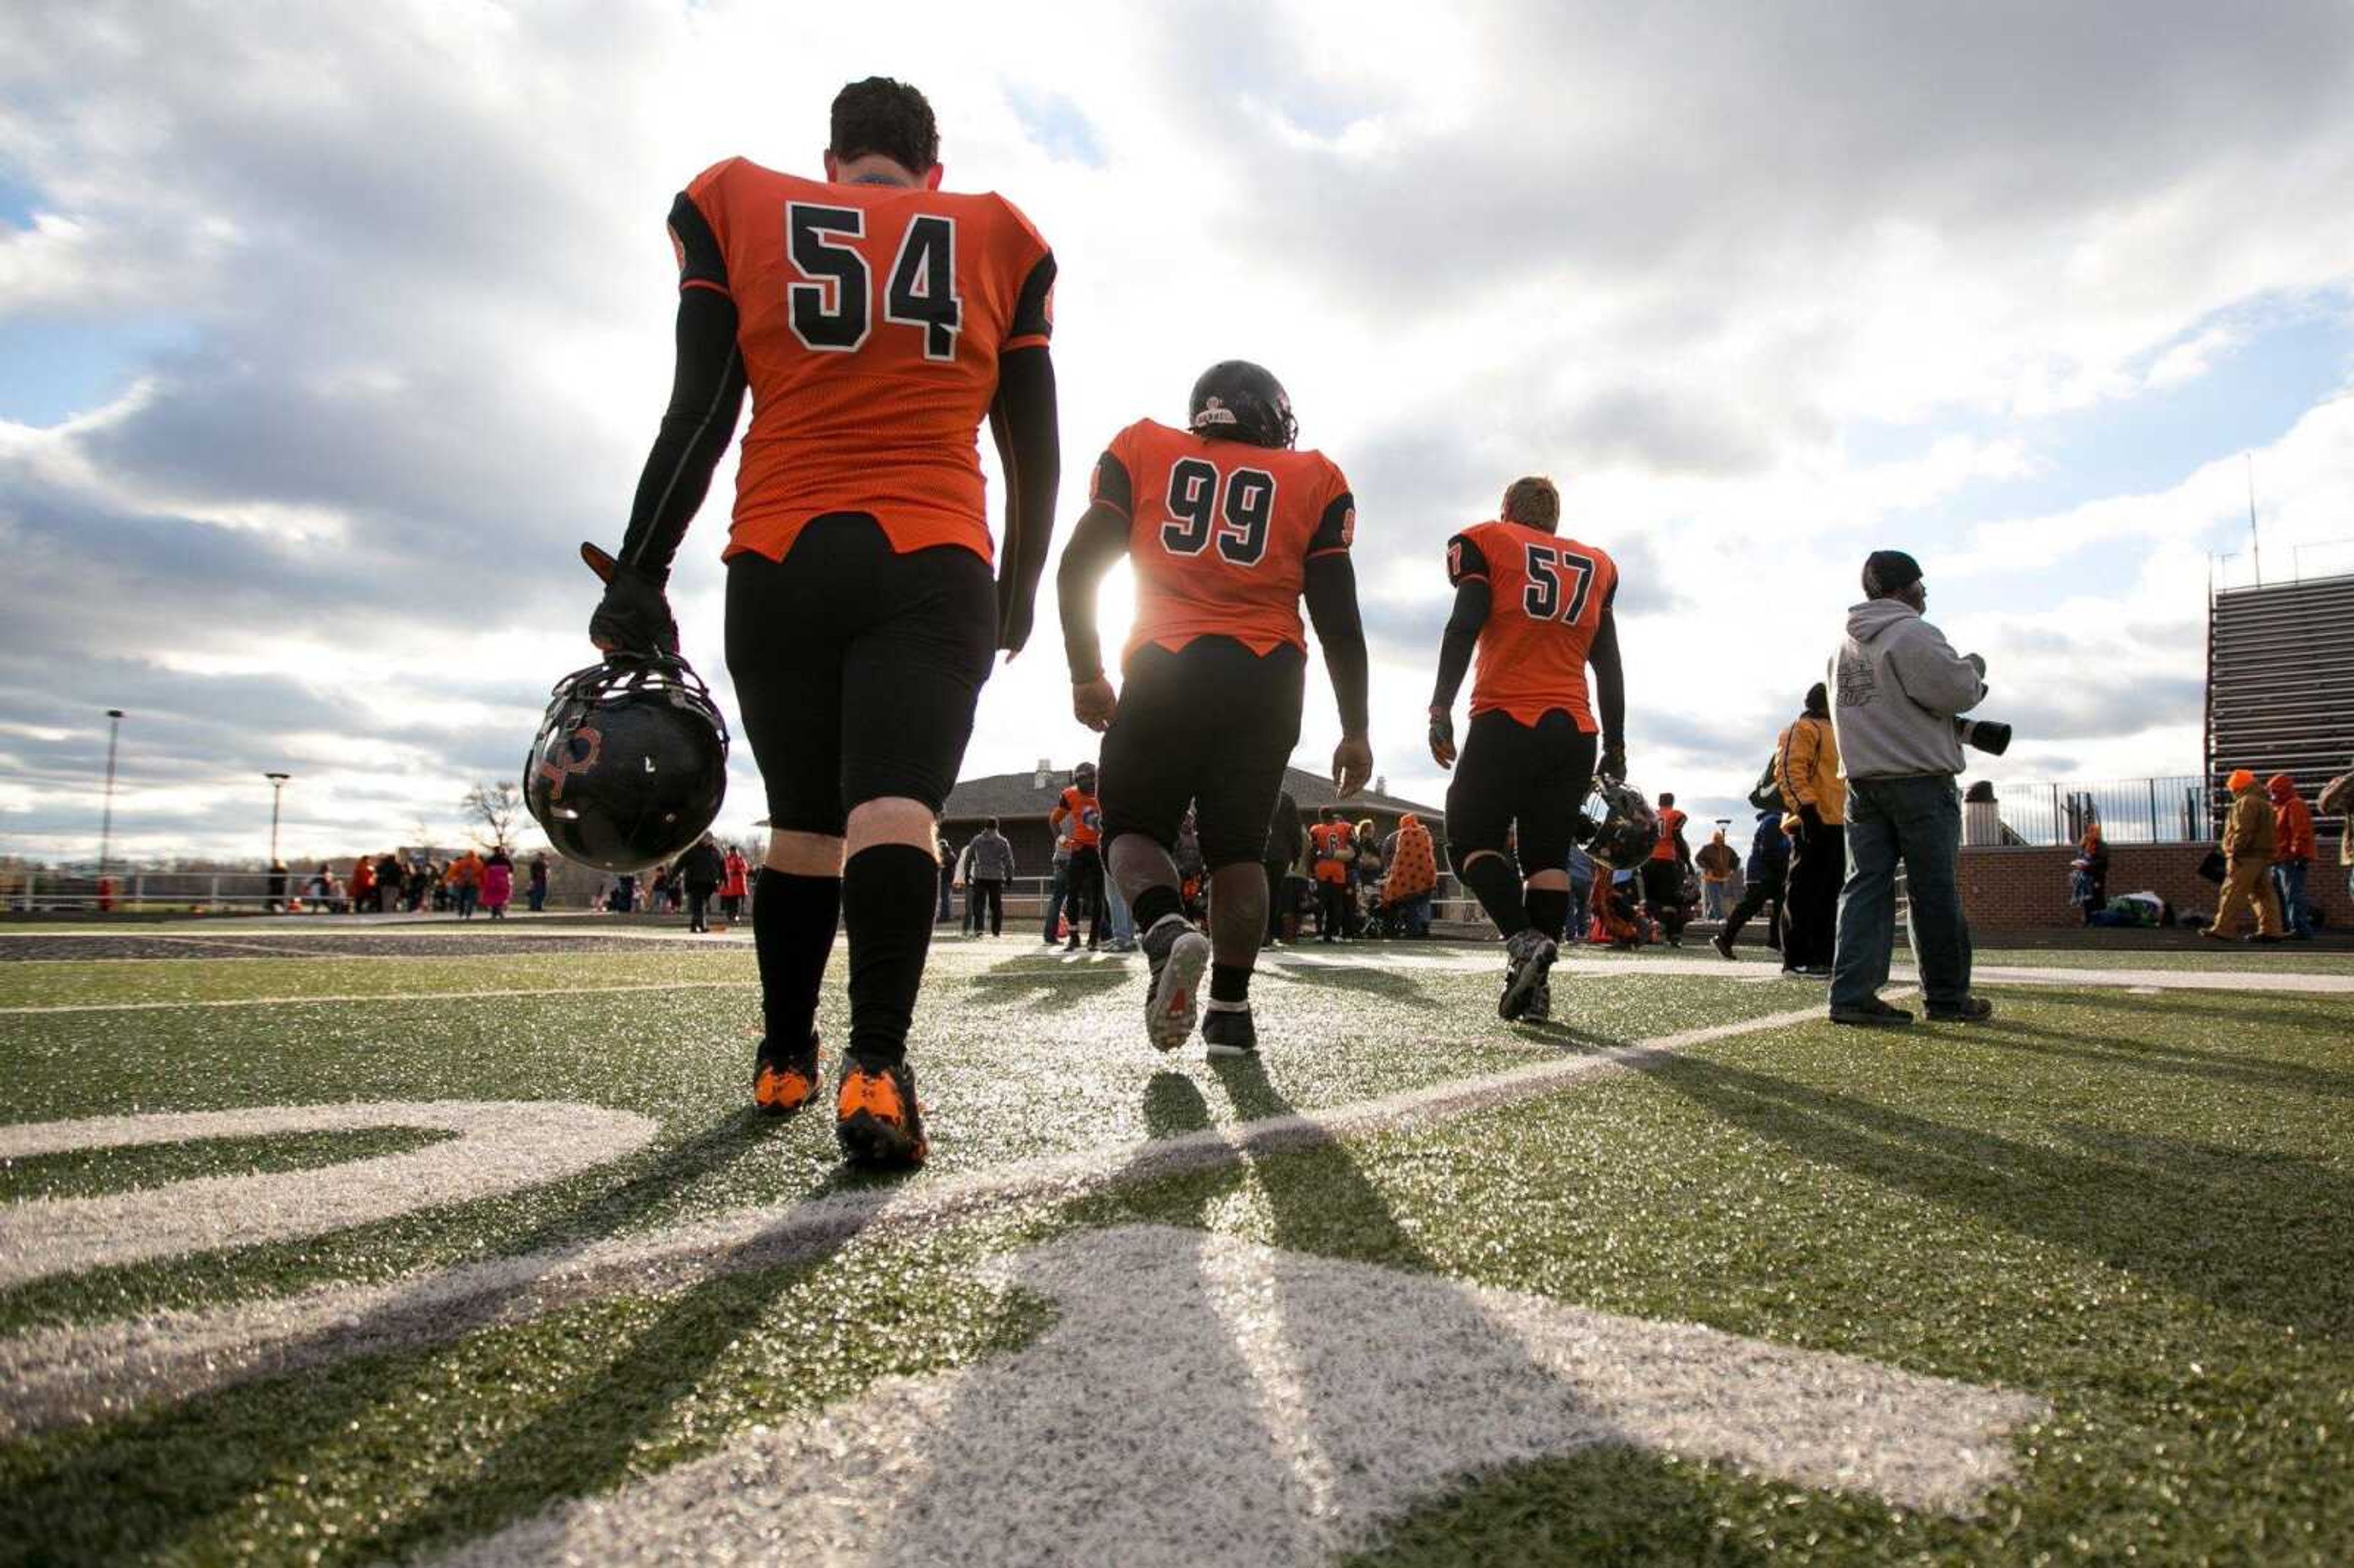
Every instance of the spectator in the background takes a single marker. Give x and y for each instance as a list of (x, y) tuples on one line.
[(466, 882), (1412, 878), (1717, 862), (1814, 796), (2337, 800), (277, 885), (989, 866), (734, 882), (2249, 835), (363, 887), (1365, 880), (1192, 871), (1283, 847), (701, 870), (2292, 854), (1769, 866), (536, 890), (498, 882), (2088, 874), (947, 857), (625, 898), (1058, 892), (387, 883), (1580, 867)]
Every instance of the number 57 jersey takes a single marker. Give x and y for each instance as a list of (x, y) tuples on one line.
[(870, 319), (1221, 533), (1547, 595)]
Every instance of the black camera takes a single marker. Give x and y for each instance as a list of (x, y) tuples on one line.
[(1983, 734)]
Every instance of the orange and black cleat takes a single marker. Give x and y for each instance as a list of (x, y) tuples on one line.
[(876, 1119), (782, 1084)]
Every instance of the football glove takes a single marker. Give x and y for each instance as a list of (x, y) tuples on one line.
[(1614, 759), (634, 615), (1442, 737)]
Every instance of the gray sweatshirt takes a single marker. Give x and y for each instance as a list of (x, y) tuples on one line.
[(991, 858), (1896, 684)]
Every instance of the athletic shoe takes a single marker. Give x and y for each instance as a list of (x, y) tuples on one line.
[(1072, 946), (1816, 971), (1173, 997), (783, 1082), (1872, 1014), (1723, 948), (1227, 1029), (2261, 937), (1973, 1010), (1528, 959), (876, 1119), (1540, 1009)]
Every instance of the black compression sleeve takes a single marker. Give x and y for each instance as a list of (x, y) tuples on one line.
[(1097, 545), (1023, 419), (1332, 594), (707, 395), (1455, 649), (1610, 677)]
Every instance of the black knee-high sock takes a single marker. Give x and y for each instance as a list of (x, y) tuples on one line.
[(888, 895), (793, 920), (1154, 904), (1548, 909), (1493, 881), (1230, 982)]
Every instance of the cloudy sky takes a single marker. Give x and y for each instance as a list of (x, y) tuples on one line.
[(327, 332)]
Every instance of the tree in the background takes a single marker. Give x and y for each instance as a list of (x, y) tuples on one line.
[(493, 811)]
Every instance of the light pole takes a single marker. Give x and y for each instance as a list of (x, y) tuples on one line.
[(277, 788), (106, 813)]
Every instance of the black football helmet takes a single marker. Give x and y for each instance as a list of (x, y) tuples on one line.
[(1619, 827), (1236, 400), (631, 765)]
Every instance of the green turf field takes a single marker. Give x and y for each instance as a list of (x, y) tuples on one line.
[(1118, 1306)]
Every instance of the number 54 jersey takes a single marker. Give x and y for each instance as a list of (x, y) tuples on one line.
[(870, 319), (1547, 595), (1221, 533)]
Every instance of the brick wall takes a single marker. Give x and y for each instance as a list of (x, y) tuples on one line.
[(2008, 888)]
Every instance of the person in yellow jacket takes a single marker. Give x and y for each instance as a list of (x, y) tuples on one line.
[(2248, 840), (1806, 771)]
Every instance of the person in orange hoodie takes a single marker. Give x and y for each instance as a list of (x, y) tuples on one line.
[(466, 882), (2292, 854), (363, 885), (2248, 835)]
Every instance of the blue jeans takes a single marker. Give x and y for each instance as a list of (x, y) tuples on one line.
[(2288, 881), (1918, 821), (1057, 897), (1123, 924)]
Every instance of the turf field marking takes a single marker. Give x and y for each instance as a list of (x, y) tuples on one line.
[(85, 1371), (500, 1146), (381, 996), (1204, 1399)]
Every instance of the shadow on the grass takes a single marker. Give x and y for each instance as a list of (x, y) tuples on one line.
[(2248, 1233), (1386, 985), (2178, 1061), (168, 1472)]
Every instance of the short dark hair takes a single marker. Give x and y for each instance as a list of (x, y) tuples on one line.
[(992, 824), (880, 115), (1533, 501), (1667, 797)]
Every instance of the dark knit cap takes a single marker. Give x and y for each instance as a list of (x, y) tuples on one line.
[(1889, 571)]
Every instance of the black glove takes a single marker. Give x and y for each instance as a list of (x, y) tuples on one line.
[(1016, 609), (1614, 759), (634, 615), (1810, 822)]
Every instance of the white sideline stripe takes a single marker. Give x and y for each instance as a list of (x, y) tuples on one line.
[(502, 1146), (382, 996), (1203, 1400), (90, 1371)]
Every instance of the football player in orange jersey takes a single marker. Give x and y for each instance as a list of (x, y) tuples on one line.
[(877, 320), (1227, 526), (1537, 608)]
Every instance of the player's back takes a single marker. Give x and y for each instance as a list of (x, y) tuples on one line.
[(1221, 533), (871, 318), (1547, 595)]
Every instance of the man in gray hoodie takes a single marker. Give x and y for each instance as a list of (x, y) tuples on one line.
[(1897, 686)]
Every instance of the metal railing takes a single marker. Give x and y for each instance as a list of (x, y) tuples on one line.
[(2175, 808)]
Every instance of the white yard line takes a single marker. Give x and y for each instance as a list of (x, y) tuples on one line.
[(1200, 1398), (384, 996), (91, 1372)]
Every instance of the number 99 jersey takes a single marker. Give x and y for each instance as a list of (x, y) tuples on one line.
[(870, 318), (1221, 533), (1547, 595)]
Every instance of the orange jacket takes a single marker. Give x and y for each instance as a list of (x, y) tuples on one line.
[(2292, 823), (1414, 868)]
